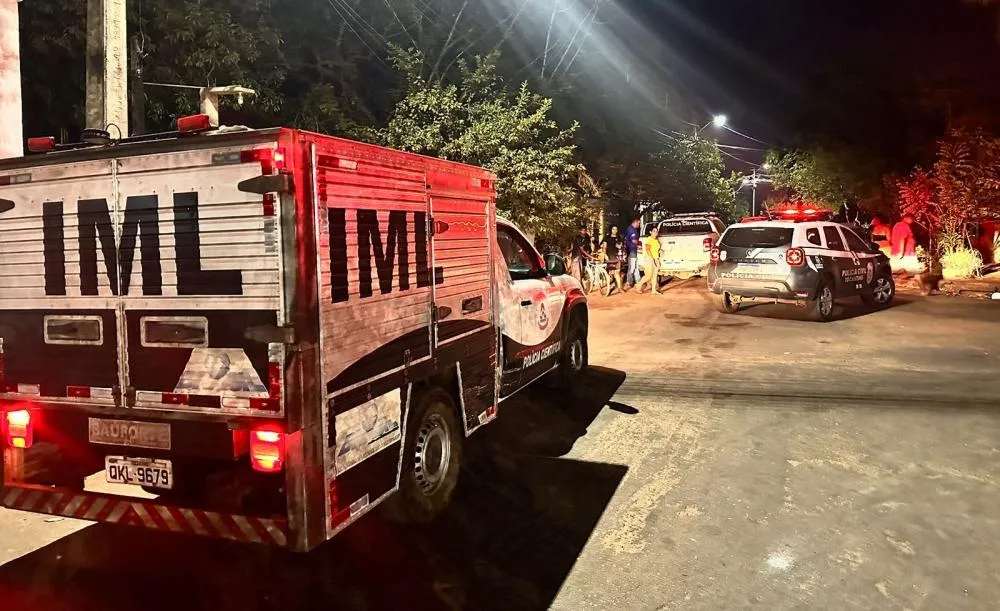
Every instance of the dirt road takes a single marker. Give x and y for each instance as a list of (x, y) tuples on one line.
[(710, 462)]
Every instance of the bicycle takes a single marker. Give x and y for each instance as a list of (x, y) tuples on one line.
[(596, 277)]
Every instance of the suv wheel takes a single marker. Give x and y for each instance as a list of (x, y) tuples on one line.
[(820, 309), (725, 304), (882, 293)]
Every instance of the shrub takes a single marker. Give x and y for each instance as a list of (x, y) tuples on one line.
[(961, 262)]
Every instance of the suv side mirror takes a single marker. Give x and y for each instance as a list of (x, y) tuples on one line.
[(555, 265), (875, 248)]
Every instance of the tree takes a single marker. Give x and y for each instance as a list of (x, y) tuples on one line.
[(826, 176), (967, 174), (918, 196), (219, 43), (477, 120)]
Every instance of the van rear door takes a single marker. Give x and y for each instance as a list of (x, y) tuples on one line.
[(58, 308), (205, 275)]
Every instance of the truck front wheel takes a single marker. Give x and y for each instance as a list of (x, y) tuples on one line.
[(573, 361), (432, 457)]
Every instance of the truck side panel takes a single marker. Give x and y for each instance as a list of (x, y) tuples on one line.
[(391, 305), (466, 335), (375, 313)]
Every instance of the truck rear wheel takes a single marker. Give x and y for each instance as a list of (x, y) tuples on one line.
[(432, 457)]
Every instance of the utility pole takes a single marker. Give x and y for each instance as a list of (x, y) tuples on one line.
[(107, 65), (11, 134)]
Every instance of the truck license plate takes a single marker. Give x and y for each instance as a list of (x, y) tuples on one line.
[(147, 472), (150, 435)]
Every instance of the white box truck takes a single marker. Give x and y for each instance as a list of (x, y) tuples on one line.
[(259, 334)]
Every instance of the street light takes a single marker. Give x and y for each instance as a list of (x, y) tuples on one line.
[(718, 121)]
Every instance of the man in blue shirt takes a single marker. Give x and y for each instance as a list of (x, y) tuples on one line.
[(632, 238)]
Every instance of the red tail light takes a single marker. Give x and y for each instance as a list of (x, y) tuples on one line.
[(18, 429), (267, 451), (707, 244), (795, 257), (270, 159), (714, 255), (42, 144), (194, 123)]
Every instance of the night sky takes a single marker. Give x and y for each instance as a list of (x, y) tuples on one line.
[(757, 61)]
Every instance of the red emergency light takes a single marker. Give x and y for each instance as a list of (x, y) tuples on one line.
[(267, 450), (18, 428), (41, 144), (194, 124)]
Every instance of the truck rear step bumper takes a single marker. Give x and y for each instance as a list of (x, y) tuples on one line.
[(133, 512)]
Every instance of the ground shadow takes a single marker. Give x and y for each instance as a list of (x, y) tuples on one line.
[(517, 524), (844, 309)]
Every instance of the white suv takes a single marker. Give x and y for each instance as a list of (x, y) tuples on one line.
[(686, 242)]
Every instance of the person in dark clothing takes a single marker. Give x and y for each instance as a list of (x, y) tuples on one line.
[(582, 251), (632, 250), (613, 253)]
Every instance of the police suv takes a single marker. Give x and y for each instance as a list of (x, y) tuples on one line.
[(800, 261)]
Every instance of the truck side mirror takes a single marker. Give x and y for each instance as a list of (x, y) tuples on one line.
[(555, 265)]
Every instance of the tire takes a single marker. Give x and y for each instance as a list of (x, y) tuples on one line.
[(605, 282), (820, 309), (574, 357), (882, 293), (724, 303), (432, 458)]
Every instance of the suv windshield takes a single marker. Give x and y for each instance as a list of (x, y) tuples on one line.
[(677, 226), (757, 237)]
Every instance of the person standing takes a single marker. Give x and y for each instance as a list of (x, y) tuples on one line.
[(651, 271), (581, 252), (632, 250), (880, 232), (904, 246), (612, 250)]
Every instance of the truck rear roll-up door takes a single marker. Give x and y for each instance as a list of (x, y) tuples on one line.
[(187, 336), (58, 313)]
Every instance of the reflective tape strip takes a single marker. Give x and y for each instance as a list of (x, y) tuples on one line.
[(11, 497), (168, 518), (95, 509), (220, 528), (277, 535), (193, 522), (28, 502), (140, 511), (74, 505), (100, 508), (247, 530), (117, 512), (49, 504)]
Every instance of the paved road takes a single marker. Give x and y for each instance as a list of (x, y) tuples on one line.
[(711, 462)]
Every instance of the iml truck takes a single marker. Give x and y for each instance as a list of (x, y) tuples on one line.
[(259, 335)]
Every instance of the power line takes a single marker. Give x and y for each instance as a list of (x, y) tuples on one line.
[(750, 163), (742, 148), (746, 136)]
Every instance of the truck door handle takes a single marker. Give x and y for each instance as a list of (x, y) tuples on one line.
[(525, 303)]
